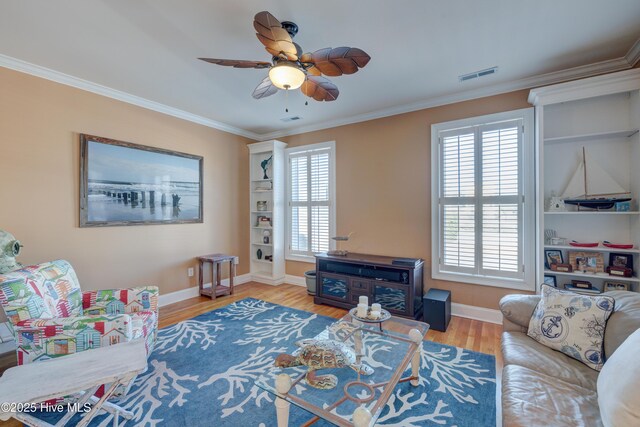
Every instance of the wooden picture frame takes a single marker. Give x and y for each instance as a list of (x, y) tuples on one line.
[(624, 260), (582, 284), (587, 262), (615, 286), (553, 256), (122, 183)]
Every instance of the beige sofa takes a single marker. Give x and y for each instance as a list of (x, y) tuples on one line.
[(543, 387)]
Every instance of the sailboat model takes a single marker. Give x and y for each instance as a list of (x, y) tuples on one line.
[(592, 187)]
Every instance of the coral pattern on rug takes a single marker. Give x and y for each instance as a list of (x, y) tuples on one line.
[(202, 373)]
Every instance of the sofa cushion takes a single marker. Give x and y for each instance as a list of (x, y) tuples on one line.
[(624, 320), (532, 399), (572, 323), (519, 349), (618, 385), (519, 308)]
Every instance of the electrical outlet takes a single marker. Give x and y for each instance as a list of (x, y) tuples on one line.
[(190, 272), (236, 260)]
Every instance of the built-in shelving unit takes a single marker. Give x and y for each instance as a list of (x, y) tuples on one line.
[(601, 114), (272, 191)]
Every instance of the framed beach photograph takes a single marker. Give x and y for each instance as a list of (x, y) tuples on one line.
[(550, 280), (553, 256), (122, 183)]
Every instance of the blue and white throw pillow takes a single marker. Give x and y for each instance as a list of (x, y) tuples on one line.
[(572, 323)]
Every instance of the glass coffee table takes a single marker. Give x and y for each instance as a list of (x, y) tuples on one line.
[(357, 400)]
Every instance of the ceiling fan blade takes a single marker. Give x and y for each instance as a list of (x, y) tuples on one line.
[(274, 38), (337, 61), (264, 89), (313, 70), (237, 63), (320, 89)]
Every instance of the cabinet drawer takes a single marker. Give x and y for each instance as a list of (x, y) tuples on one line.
[(358, 284)]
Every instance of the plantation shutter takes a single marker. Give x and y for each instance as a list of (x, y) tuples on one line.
[(310, 200), (480, 202)]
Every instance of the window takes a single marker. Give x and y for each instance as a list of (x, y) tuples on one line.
[(310, 200), (482, 200)]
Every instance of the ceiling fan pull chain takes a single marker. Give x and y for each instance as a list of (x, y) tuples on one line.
[(286, 99)]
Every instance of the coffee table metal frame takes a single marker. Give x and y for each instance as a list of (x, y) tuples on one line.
[(361, 416)]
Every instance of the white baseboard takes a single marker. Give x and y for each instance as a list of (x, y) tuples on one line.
[(295, 280), (181, 295), (267, 280), (476, 313)]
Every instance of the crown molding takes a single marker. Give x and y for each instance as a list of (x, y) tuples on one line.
[(68, 80), (623, 81), (575, 73), (633, 55)]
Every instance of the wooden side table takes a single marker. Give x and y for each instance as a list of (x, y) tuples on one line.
[(216, 261)]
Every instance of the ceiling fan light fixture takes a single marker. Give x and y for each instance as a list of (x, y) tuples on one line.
[(286, 76)]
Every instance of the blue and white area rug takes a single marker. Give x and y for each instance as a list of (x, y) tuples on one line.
[(202, 371)]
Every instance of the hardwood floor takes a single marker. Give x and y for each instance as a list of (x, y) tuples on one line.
[(466, 333)]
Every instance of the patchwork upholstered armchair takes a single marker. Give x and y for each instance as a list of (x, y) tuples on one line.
[(50, 316)]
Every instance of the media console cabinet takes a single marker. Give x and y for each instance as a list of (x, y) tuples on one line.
[(341, 280)]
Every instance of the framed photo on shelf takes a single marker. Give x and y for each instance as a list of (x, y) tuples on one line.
[(550, 280), (620, 260), (615, 286), (587, 262), (552, 256)]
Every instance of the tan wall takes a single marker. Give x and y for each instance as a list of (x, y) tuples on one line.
[(384, 186), (39, 171)]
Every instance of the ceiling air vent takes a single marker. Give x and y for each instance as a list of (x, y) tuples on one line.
[(476, 74), (291, 119)]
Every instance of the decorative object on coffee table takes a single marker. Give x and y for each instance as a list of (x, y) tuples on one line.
[(371, 316), (322, 354), (9, 250), (216, 261)]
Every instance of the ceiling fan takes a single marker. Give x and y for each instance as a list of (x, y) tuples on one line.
[(290, 68)]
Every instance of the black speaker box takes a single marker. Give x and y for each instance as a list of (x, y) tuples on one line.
[(437, 309)]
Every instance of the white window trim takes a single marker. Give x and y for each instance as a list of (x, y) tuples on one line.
[(332, 197), (528, 213)]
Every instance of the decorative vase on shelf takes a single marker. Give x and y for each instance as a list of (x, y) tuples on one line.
[(262, 205), (265, 166), (259, 253)]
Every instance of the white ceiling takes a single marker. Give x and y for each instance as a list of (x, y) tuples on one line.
[(148, 48)]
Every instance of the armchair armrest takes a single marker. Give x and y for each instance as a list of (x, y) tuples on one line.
[(114, 301), (46, 338), (517, 311)]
